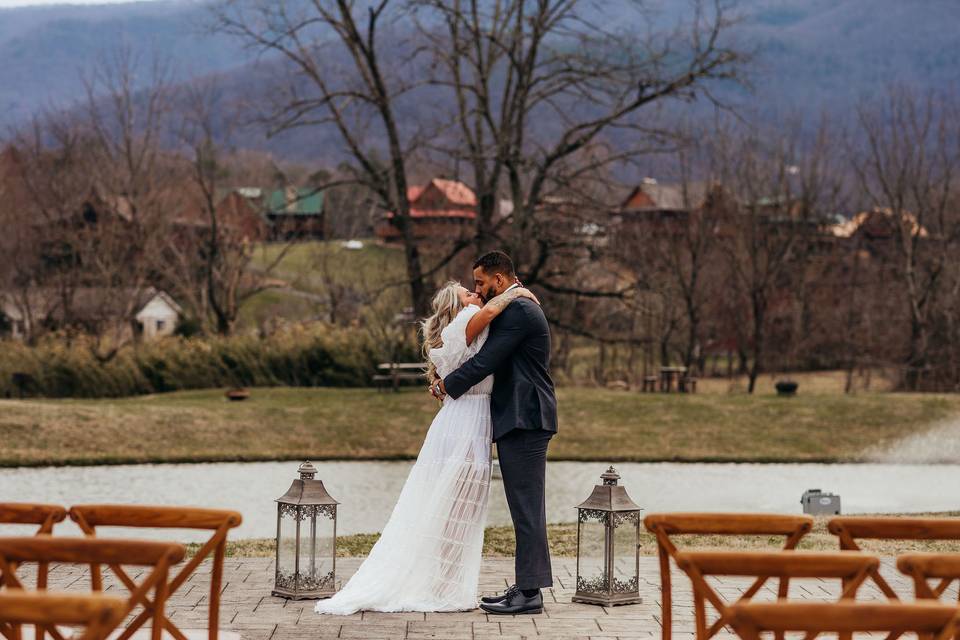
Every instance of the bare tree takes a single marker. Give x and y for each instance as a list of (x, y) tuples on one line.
[(350, 210), (862, 317), (217, 229), (540, 90), (784, 189), (357, 98), (673, 244), (907, 170), (51, 157), (20, 243), (125, 121)]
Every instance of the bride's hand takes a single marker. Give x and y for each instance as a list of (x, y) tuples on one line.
[(437, 389)]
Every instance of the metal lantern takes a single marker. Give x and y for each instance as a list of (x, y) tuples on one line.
[(306, 539), (608, 540)]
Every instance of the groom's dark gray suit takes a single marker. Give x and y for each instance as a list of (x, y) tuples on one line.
[(523, 406)]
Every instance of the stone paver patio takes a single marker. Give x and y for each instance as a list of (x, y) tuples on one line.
[(248, 608)]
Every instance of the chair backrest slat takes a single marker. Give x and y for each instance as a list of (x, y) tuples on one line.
[(775, 564), (895, 528), (759, 524), (98, 613), (750, 619), (45, 548), (155, 517), (43, 515)]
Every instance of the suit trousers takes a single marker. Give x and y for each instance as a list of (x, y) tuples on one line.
[(523, 464)]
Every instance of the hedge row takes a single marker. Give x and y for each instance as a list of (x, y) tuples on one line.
[(304, 356)]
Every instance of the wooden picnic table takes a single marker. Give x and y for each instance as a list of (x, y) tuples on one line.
[(667, 377), (394, 372)]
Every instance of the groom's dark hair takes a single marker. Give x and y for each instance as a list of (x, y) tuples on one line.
[(495, 262)]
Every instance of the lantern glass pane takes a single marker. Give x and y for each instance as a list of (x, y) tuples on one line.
[(287, 547), (316, 548), (592, 545), (625, 539)]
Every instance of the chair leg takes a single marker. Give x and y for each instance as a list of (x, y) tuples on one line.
[(215, 581), (159, 597), (666, 611), (700, 615)]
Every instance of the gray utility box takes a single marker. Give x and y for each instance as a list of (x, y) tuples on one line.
[(818, 503)]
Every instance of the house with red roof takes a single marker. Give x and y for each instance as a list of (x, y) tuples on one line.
[(442, 210)]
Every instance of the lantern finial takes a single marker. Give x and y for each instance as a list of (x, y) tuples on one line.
[(610, 477), (307, 471)]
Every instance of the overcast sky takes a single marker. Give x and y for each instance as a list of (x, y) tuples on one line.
[(23, 3)]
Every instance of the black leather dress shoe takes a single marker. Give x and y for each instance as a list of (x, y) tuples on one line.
[(515, 604), (500, 597)]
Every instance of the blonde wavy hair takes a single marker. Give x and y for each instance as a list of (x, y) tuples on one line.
[(446, 305)]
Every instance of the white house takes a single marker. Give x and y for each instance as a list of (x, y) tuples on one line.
[(13, 314), (159, 316)]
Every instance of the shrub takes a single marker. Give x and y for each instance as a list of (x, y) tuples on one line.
[(301, 355)]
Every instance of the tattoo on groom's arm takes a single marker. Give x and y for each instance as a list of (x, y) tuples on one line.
[(500, 302)]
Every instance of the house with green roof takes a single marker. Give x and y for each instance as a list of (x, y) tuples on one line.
[(295, 213)]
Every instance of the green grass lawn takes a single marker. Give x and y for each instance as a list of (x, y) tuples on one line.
[(270, 304), (500, 541), (305, 264), (307, 268), (324, 423)]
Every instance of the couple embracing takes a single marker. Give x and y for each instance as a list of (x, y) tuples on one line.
[(488, 353)]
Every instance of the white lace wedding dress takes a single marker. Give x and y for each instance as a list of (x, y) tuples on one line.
[(428, 556)]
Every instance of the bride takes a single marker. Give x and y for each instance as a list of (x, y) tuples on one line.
[(428, 556)]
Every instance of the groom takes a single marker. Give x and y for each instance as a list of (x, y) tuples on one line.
[(524, 411)]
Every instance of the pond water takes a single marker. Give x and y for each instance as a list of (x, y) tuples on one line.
[(368, 490)]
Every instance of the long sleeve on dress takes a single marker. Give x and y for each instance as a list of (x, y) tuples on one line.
[(455, 350)]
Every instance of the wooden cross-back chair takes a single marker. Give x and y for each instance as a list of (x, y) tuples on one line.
[(218, 521), (665, 525), (97, 613), (852, 568), (928, 620), (849, 529), (44, 516), (924, 567), (45, 549)]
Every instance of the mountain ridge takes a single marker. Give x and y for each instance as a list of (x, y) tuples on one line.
[(817, 55)]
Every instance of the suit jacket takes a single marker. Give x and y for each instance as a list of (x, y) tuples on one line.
[(517, 353)]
